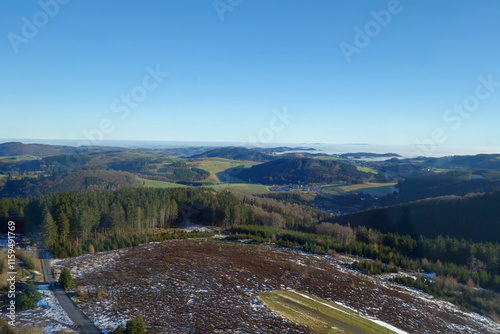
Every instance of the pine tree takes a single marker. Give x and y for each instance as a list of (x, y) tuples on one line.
[(63, 225), (48, 229), (65, 279)]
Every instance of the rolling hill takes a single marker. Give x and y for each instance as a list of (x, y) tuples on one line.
[(37, 150), (479, 161), (235, 153), (301, 170), (82, 180)]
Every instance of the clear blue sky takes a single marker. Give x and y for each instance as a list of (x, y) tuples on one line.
[(227, 76)]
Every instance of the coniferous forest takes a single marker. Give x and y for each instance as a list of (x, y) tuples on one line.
[(70, 223)]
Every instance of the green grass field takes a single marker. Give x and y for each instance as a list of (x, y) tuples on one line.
[(388, 188), (16, 158), (319, 314), (328, 157), (374, 189), (367, 169), (253, 189), (217, 165), (160, 184)]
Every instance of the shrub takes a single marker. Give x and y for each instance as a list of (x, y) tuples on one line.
[(136, 326), (66, 280), (28, 298)]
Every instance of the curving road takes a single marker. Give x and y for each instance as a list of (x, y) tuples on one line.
[(84, 325)]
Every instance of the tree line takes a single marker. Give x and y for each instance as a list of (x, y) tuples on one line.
[(460, 259), (74, 220)]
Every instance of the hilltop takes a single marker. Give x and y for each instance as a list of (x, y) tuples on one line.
[(301, 170), (37, 150), (235, 153)]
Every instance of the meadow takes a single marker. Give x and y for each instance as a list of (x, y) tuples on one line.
[(319, 314)]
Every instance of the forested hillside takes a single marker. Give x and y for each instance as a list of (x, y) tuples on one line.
[(235, 153), (302, 170), (37, 150), (475, 217), (457, 183), (489, 161), (77, 218), (81, 180)]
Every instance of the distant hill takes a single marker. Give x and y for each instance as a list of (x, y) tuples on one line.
[(475, 217), (301, 170), (37, 150), (83, 180), (454, 182), (283, 149), (489, 161), (361, 155), (235, 153)]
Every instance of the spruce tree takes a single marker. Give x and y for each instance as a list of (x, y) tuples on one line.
[(48, 229), (65, 279)]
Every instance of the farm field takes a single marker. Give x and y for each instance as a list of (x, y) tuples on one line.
[(374, 189), (247, 188), (200, 286), (388, 188), (217, 165), (253, 189), (160, 184), (328, 157), (367, 169), (17, 158)]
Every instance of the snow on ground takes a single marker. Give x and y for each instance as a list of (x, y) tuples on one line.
[(49, 315), (93, 263), (386, 325), (213, 286)]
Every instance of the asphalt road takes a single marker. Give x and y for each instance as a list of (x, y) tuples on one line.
[(84, 325)]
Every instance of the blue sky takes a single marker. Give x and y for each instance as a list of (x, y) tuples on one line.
[(227, 78)]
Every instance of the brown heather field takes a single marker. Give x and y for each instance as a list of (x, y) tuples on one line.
[(208, 286)]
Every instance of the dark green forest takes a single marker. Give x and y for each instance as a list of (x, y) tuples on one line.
[(235, 153), (475, 217), (303, 171)]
